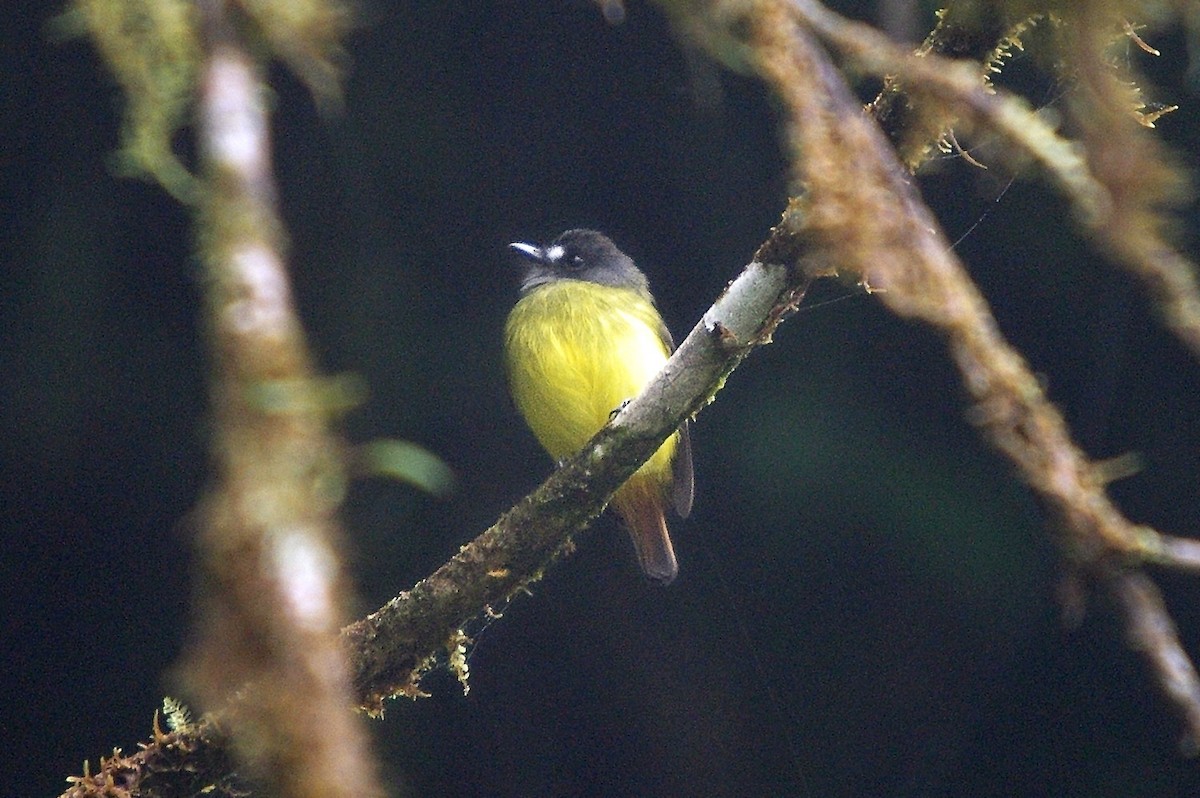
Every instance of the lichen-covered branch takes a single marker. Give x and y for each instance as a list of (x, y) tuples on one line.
[(1141, 178), (850, 174), (971, 32), (266, 654), (193, 760), (272, 598), (1121, 181)]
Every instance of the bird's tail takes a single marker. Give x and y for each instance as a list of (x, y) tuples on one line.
[(640, 503)]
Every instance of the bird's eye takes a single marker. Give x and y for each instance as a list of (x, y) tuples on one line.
[(572, 260)]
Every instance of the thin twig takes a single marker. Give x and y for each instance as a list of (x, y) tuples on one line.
[(1152, 633)]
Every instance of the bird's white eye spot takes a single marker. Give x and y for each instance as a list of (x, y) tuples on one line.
[(565, 257)]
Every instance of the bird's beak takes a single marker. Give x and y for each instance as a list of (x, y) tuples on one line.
[(533, 253)]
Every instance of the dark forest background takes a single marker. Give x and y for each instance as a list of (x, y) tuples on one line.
[(867, 600)]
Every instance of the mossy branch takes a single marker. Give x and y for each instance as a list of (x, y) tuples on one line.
[(265, 654), (852, 173), (392, 647), (1119, 178)]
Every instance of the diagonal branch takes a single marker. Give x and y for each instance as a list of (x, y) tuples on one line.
[(392, 647), (851, 173)]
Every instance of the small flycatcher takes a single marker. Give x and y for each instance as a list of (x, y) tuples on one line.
[(584, 338)]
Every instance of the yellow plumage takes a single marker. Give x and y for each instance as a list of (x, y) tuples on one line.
[(576, 350)]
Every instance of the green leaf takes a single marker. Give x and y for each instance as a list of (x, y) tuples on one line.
[(408, 462)]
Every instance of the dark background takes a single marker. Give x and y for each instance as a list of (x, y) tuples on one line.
[(866, 603)]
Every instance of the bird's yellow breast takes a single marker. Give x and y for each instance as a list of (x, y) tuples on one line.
[(575, 351)]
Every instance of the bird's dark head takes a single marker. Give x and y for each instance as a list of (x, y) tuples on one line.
[(579, 254)]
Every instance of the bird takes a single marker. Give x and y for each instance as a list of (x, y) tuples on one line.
[(583, 338)]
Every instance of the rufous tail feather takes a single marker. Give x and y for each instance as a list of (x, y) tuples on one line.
[(641, 506)]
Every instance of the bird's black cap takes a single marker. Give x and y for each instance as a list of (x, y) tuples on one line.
[(579, 254)]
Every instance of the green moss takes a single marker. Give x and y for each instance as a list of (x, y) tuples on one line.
[(153, 49)]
